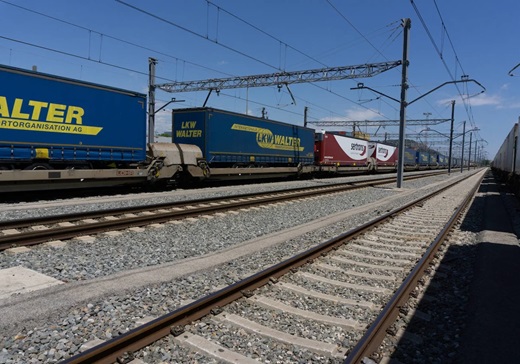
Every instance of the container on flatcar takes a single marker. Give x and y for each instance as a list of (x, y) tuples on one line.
[(442, 160), (340, 150), (455, 162), (384, 155), (235, 140), (433, 159), (410, 157), (423, 158), (505, 160), (57, 120)]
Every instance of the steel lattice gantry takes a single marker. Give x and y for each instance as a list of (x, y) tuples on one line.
[(281, 78), (410, 122)]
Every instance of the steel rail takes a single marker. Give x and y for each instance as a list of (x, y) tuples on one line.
[(21, 223), (375, 334), (144, 335), (29, 238)]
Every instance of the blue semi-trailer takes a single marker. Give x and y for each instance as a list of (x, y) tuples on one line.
[(423, 158), (235, 140), (47, 119), (410, 157), (58, 132)]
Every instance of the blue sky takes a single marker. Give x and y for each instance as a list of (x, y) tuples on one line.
[(109, 42)]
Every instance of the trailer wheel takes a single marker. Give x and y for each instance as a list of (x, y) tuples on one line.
[(38, 166)]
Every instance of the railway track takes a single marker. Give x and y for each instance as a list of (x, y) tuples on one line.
[(338, 288), (27, 232)]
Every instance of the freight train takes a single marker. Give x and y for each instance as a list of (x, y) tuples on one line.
[(506, 164), (60, 133)]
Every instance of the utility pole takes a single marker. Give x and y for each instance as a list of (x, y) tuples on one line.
[(402, 112), (476, 160), (151, 99), (427, 114), (305, 110), (469, 153), (451, 134), (462, 154)]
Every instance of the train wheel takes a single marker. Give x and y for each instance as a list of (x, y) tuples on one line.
[(38, 166)]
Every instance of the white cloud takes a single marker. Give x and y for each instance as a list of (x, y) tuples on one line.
[(362, 114), (483, 100), (355, 114), (478, 100)]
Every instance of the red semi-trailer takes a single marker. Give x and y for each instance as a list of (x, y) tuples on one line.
[(339, 153), (384, 156)]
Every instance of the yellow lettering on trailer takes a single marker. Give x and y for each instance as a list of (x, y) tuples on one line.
[(188, 133), (43, 116), (56, 112), (76, 113), (267, 140), (4, 110), (37, 108), (188, 130), (17, 113), (188, 124)]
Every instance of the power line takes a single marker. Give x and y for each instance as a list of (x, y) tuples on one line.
[(71, 55), (449, 38), (440, 54), (112, 37), (374, 47), (265, 33), (102, 35), (196, 34), (207, 38), (107, 36)]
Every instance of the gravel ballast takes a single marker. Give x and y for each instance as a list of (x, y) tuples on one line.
[(62, 333)]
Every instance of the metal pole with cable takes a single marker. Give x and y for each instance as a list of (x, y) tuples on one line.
[(469, 153), (402, 113), (462, 154), (151, 99), (451, 135)]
